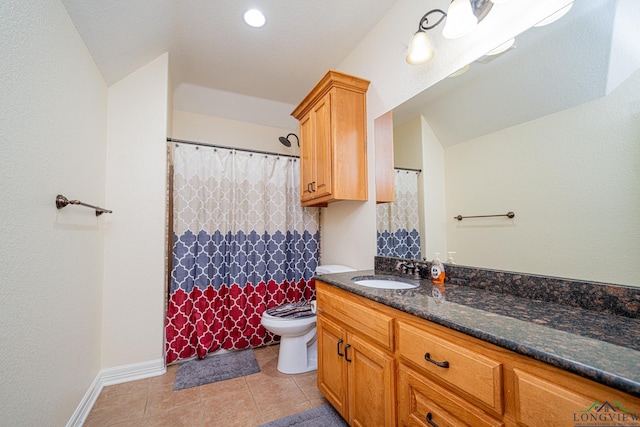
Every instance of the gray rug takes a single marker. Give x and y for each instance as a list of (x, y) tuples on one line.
[(216, 368), (320, 416)]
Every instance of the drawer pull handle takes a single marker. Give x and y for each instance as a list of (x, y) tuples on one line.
[(339, 344), (345, 353), (428, 358), (309, 190), (431, 423)]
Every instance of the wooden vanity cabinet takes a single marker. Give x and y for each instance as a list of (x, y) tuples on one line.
[(389, 381), (333, 149), (356, 373)]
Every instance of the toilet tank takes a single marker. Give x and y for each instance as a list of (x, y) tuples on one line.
[(334, 268)]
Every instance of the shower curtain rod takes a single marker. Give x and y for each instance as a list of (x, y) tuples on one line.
[(247, 150), (409, 169)]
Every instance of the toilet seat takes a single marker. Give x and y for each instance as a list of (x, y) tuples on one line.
[(301, 320)]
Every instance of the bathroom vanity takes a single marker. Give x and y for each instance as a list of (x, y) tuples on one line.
[(403, 357)]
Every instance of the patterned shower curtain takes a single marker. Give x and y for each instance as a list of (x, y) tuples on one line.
[(398, 231), (241, 244)]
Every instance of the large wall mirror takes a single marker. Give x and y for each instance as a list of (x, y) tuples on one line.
[(549, 130)]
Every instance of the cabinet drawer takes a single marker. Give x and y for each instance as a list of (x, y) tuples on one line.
[(358, 317), (423, 403), (468, 371)]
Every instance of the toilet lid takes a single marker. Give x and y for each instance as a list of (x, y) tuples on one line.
[(294, 310)]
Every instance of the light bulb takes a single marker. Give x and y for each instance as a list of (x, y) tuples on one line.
[(460, 19), (420, 51)]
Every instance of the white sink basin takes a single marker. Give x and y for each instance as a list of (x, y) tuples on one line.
[(384, 282)]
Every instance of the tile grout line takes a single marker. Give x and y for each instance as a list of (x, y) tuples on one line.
[(253, 398)]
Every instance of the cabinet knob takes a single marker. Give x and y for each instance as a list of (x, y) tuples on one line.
[(339, 344), (428, 358)]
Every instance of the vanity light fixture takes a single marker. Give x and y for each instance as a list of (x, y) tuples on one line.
[(420, 51), (254, 18), (502, 48), (462, 17), (460, 72)]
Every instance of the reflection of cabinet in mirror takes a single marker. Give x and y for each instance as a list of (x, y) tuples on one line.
[(383, 134), (333, 151)]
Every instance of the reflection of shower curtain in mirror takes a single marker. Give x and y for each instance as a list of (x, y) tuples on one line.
[(398, 231), (241, 244)]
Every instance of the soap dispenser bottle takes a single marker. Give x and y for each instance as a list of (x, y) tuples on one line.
[(450, 257), (437, 270)]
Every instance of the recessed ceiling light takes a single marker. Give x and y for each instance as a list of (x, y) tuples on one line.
[(254, 18)]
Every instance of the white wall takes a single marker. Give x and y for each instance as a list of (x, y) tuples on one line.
[(349, 227), (234, 106), (433, 181), (575, 218), (233, 133), (134, 250), (53, 118)]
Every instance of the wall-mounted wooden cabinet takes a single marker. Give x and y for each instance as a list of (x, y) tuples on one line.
[(333, 145)]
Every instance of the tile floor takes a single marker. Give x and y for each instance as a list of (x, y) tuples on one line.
[(244, 402)]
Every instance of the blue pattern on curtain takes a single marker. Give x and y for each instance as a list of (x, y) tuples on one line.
[(398, 228)]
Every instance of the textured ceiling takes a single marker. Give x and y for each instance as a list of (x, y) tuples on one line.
[(210, 46)]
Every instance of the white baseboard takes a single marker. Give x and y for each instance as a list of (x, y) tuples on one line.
[(133, 372), (111, 376)]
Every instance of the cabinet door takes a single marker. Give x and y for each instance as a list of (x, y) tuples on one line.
[(323, 150), (307, 157), (332, 368), (371, 384), (540, 402)]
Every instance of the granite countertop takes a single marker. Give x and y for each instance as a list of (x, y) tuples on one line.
[(601, 347)]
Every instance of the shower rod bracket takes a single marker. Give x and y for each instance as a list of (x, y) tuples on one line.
[(62, 201)]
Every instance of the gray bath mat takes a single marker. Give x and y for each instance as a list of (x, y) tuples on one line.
[(216, 368), (320, 416)]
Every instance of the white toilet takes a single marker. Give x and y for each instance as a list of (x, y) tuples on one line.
[(298, 337)]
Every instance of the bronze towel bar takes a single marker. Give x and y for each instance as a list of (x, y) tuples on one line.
[(460, 217), (62, 201)]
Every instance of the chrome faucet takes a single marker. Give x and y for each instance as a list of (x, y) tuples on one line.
[(410, 267)]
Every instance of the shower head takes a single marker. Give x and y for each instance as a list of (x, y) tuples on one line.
[(285, 140)]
